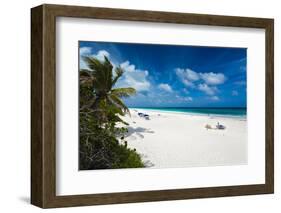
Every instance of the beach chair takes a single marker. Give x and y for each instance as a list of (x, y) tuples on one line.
[(146, 116), (219, 126), (140, 114)]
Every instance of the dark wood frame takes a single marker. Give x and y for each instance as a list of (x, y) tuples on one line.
[(43, 105)]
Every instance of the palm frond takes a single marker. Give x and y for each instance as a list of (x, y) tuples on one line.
[(118, 119), (86, 77), (99, 77), (102, 73), (85, 72), (123, 92), (94, 64), (119, 103), (119, 72), (108, 73)]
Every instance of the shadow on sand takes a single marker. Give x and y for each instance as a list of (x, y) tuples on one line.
[(146, 161), (138, 131)]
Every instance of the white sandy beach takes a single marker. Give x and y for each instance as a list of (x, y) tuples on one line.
[(180, 140)]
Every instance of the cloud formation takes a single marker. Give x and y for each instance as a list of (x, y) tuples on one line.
[(100, 55), (207, 89), (214, 98), (133, 77), (187, 76), (204, 82), (188, 99), (165, 87), (213, 78), (183, 99), (85, 51)]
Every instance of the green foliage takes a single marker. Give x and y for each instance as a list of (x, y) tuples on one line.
[(128, 158), (102, 144)]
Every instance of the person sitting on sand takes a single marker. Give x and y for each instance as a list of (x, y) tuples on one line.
[(208, 126)]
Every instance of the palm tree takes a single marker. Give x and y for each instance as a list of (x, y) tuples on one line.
[(100, 78)]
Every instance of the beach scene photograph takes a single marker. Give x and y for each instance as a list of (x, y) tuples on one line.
[(161, 106)]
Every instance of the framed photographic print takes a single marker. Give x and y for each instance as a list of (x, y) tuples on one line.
[(137, 106)]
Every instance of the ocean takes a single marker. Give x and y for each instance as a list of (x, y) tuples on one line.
[(224, 112)]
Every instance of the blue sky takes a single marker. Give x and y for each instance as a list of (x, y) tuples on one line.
[(176, 76)]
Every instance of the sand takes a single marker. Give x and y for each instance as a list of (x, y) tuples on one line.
[(170, 140)]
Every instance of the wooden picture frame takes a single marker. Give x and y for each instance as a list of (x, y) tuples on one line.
[(43, 105)]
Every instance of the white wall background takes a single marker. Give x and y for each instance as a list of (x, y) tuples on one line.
[(15, 105)]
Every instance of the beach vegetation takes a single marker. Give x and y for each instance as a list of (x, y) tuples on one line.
[(102, 131)]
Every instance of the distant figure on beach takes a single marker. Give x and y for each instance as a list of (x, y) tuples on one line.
[(208, 126)]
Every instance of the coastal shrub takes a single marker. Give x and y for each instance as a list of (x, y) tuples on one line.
[(101, 150), (128, 158), (101, 141)]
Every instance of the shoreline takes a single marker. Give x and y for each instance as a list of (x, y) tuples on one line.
[(240, 117), (171, 140)]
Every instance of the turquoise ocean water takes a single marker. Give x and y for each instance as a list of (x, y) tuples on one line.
[(224, 112)]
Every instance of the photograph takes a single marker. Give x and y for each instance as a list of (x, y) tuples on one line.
[(161, 106), (139, 105)]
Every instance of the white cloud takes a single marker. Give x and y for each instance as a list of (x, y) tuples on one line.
[(188, 98), (165, 87), (187, 76), (207, 81), (187, 83), (234, 93), (184, 99), (85, 51), (191, 75), (133, 77), (207, 89), (128, 67), (213, 78), (214, 98), (100, 55)]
